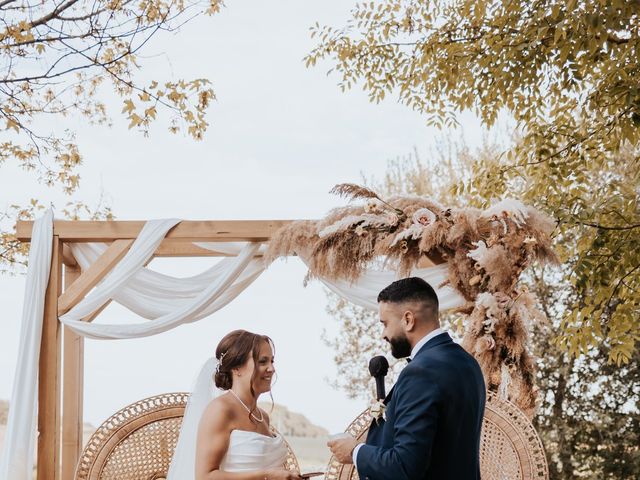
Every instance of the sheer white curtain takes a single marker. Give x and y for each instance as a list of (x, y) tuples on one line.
[(17, 451), (164, 300), (364, 291)]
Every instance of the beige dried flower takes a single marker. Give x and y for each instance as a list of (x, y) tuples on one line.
[(423, 216), (361, 231), (393, 218), (489, 341), (373, 207)]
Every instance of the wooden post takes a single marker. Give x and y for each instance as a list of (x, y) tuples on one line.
[(72, 391), (49, 375)]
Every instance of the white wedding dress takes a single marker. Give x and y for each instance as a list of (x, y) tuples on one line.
[(251, 451), (247, 452)]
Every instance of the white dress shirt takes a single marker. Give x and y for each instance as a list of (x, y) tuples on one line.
[(421, 343), (416, 348)]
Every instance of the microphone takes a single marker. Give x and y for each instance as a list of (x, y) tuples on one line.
[(378, 368)]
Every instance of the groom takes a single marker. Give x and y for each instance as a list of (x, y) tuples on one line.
[(434, 412)]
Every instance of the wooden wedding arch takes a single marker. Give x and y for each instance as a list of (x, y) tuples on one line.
[(475, 243), (61, 366)]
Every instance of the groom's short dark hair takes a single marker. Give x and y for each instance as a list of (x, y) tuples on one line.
[(412, 289)]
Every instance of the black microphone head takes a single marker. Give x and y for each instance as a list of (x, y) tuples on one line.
[(378, 366)]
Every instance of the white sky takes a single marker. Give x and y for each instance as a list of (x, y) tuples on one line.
[(280, 137)]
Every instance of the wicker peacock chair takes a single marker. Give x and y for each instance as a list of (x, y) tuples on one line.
[(510, 448), (137, 442)]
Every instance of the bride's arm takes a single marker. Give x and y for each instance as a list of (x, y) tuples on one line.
[(214, 432)]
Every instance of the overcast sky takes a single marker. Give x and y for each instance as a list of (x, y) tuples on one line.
[(280, 137)]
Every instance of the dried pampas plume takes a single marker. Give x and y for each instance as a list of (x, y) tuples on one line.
[(353, 191)]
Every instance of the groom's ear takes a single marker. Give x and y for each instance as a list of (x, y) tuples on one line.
[(408, 320)]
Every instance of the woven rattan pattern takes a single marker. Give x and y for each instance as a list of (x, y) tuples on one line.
[(510, 448), (137, 442)]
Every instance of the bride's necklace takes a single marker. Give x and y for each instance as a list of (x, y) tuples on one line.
[(261, 419)]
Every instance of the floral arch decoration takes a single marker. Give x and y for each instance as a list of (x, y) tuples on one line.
[(486, 252)]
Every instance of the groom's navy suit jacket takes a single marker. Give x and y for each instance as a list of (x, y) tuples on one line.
[(433, 419)]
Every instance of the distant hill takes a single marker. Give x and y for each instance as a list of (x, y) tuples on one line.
[(307, 440), (4, 411), (4, 414), (289, 423)]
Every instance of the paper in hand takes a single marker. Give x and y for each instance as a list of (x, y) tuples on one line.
[(311, 474)]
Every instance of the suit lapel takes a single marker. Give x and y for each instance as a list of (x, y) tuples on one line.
[(388, 397)]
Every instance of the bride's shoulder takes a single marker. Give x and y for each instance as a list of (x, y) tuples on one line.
[(220, 409), (222, 402)]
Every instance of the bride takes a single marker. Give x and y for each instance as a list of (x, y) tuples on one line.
[(226, 435)]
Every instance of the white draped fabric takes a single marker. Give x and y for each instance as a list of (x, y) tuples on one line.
[(164, 300), (17, 454), (364, 291)]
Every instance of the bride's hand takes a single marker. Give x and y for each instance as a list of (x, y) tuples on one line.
[(281, 474)]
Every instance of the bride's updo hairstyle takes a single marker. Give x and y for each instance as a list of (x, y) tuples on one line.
[(233, 352)]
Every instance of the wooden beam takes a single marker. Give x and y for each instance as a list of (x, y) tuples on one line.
[(67, 257), (93, 275), (173, 248), (189, 230), (48, 466), (72, 391)]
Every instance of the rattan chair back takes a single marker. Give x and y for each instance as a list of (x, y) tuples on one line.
[(510, 448), (137, 442)]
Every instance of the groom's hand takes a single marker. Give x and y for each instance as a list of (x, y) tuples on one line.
[(342, 448)]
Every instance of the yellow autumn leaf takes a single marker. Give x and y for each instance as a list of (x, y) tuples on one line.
[(135, 120), (128, 106), (11, 123), (150, 112)]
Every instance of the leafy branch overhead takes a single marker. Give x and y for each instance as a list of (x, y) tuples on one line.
[(55, 56), (567, 73)]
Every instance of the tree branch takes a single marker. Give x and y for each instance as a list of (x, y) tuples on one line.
[(607, 227), (54, 13)]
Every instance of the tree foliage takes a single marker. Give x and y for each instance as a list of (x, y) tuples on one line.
[(589, 414), (56, 55), (588, 408), (567, 73)]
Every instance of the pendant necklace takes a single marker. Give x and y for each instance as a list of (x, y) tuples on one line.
[(261, 419)]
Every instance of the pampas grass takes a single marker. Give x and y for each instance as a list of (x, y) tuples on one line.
[(497, 335), (292, 239), (486, 252), (353, 191)]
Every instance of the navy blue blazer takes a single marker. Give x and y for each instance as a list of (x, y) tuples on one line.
[(433, 419)]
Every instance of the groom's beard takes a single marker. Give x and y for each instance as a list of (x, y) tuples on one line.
[(400, 347)]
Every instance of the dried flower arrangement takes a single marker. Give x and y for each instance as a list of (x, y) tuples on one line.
[(486, 252)]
